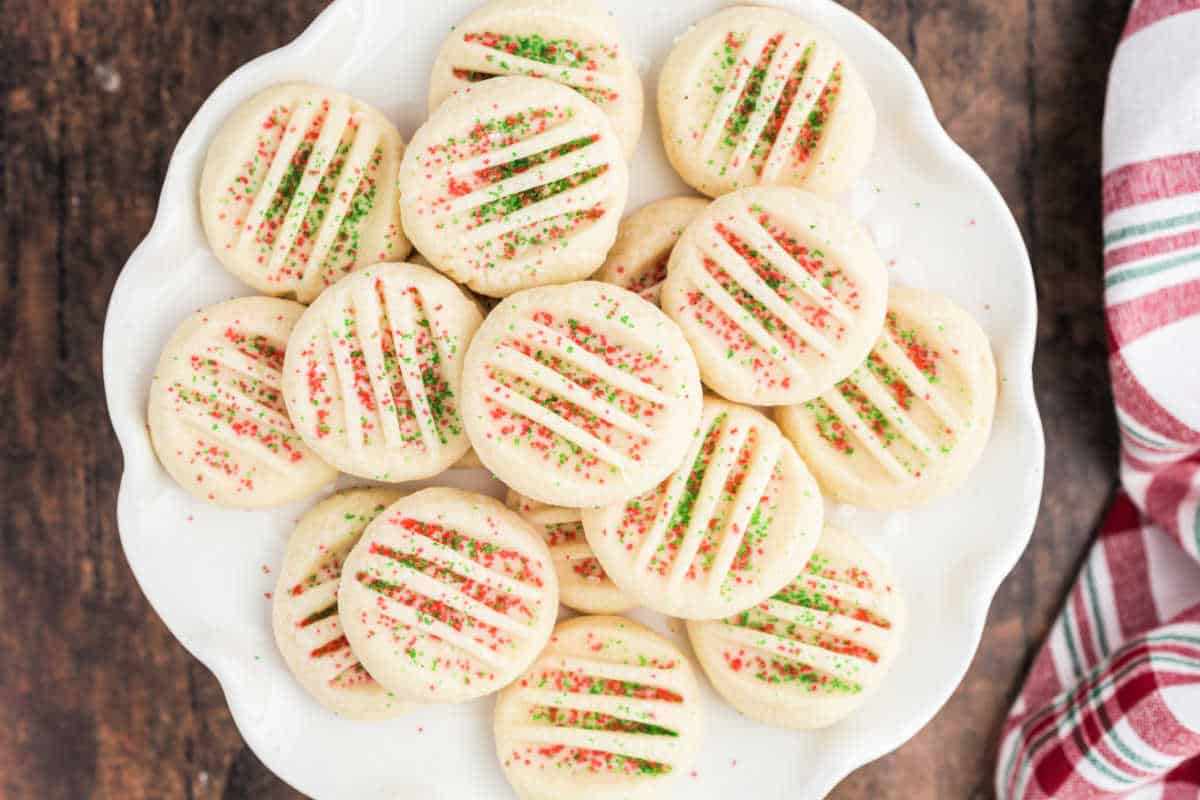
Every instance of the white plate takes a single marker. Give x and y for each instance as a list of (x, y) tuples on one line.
[(935, 216)]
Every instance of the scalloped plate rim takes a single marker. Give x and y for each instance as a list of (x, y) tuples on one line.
[(137, 453)]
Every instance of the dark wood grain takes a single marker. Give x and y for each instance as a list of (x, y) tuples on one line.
[(96, 697)]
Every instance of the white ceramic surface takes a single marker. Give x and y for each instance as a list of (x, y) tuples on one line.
[(938, 221)]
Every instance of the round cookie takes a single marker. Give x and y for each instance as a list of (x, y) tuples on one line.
[(582, 583), (298, 189), (638, 260), (216, 416), (448, 596), (911, 421), (513, 183), (305, 606), (372, 375), (580, 395), (756, 95), (735, 522), (572, 42), (779, 292), (812, 653), (610, 711)]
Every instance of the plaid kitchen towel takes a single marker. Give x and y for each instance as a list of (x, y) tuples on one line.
[(1111, 706)]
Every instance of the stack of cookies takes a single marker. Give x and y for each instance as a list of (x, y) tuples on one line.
[(671, 398)]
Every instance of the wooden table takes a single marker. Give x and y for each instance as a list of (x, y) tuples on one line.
[(96, 697)]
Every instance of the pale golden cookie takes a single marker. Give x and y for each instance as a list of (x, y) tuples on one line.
[(305, 606), (638, 260), (779, 292), (610, 711), (448, 596), (582, 583), (373, 370), (580, 395), (217, 417), (299, 188), (909, 424), (513, 183), (572, 42), (812, 653), (755, 95), (735, 522)]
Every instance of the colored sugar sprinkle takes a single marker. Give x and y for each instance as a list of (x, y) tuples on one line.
[(779, 113), (642, 513), (238, 405), (510, 204), (429, 610), (589, 569), (578, 682), (555, 52), (775, 670), (681, 515), (553, 234), (505, 560), (751, 94), (516, 166), (891, 379), (563, 533), (812, 595), (920, 354), (558, 210), (498, 133), (652, 276), (877, 421), (577, 63), (427, 341), (810, 134), (479, 591), (589, 760), (812, 260), (302, 230), (554, 335), (830, 427), (757, 530), (594, 721), (759, 85)]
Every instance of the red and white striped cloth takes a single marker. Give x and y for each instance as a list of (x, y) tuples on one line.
[(1111, 706)]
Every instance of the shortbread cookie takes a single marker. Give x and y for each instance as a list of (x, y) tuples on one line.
[(513, 183), (611, 710), (735, 522), (756, 95), (448, 596), (910, 422), (582, 583), (779, 292), (373, 369), (299, 188), (812, 653), (572, 42), (580, 395), (305, 606), (638, 260), (217, 418)]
